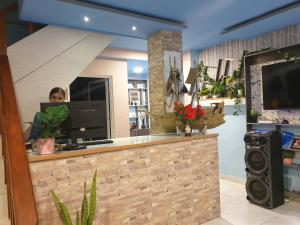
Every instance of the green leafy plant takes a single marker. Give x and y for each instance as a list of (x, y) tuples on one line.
[(288, 154), (236, 86), (252, 117), (51, 120), (204, 91), (253, 112), (202, 74), (88, 210), (287, 57), (219, 88)]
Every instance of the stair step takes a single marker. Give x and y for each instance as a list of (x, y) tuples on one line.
[(3, 207), (5, 222), (2, 181), (3, 196)]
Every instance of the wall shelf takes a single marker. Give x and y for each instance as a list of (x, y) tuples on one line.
[(138, 106), (293, 165), (138, 100), (276, 124), (137, 88), (291, 149), (226, 100)]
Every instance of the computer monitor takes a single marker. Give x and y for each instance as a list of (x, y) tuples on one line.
[(90, 116)]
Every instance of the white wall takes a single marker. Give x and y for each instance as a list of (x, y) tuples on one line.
[(117, 72), (52, 56), (123, 54), (186, 65)]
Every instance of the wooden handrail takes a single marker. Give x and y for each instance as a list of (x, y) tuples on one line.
[(21, 202), (20, 185)]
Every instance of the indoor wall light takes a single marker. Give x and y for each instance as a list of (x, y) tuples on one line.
[(138, 69), (86, 19)]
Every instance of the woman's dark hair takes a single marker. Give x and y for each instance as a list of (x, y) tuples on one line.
[(57, 90)]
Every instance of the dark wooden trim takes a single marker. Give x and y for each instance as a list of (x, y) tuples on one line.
[(21, 201), (260, 58), (261, 17), (30, 28), (2, 34), (9, 9)]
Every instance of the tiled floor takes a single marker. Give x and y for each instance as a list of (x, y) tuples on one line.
[(236, 210)]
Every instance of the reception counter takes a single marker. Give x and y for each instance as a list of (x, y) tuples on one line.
[(155, 179)]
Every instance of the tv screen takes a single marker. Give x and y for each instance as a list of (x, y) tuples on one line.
[(281, 85)]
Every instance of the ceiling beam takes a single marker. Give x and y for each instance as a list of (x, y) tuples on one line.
[(126, 12), (260, 17)]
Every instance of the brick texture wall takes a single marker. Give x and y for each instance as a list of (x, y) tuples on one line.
[(164, 184), (157, 44)]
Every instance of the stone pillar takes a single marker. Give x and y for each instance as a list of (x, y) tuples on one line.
[(158, 43)]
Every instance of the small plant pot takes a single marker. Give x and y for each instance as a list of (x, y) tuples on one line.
[(240, 92), (204, 97), (253, 119), (45, 146), (287, 161)]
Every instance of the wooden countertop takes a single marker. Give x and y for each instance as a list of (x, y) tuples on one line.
[(118, 145)]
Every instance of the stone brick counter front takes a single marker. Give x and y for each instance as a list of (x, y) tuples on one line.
[(160, 184)]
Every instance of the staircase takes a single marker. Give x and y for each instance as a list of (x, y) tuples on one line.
[(3, 195)]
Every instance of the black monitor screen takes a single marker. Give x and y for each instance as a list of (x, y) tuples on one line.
[(281, 85), (90, 115)]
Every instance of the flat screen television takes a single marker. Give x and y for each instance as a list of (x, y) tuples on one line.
[(281, 85)]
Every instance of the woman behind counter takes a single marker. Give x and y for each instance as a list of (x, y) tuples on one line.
[(56, 94)]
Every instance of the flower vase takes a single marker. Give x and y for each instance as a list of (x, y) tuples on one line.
[(187, 130)]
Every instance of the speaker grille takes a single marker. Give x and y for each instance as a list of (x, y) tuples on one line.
[(256, 160), (257, 190)]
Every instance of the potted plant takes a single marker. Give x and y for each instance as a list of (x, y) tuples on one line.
[(218, 89), (253, 116), (187, 115), (288, 156), (88, 210), (204, 92), (50, 127)]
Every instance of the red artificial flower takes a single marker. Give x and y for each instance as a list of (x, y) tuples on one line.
[(187, 113)]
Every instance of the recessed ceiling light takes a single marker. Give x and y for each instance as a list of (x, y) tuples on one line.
[(133, 28), (138, 69), (86, 19)]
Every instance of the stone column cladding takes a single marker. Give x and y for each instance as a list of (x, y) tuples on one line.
[(166, 184), (157, 44)]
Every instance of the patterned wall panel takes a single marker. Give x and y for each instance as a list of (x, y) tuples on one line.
[(234, 49)]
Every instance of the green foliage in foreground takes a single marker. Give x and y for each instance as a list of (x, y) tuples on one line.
[(87, 210)]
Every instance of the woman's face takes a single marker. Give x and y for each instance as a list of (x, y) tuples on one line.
[(57, 97)]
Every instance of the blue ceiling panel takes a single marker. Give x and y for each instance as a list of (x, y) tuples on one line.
[(135, 44), (267, 25), (72, 15), (204, 19)]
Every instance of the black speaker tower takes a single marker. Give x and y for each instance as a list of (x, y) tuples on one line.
[(264, 168)]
